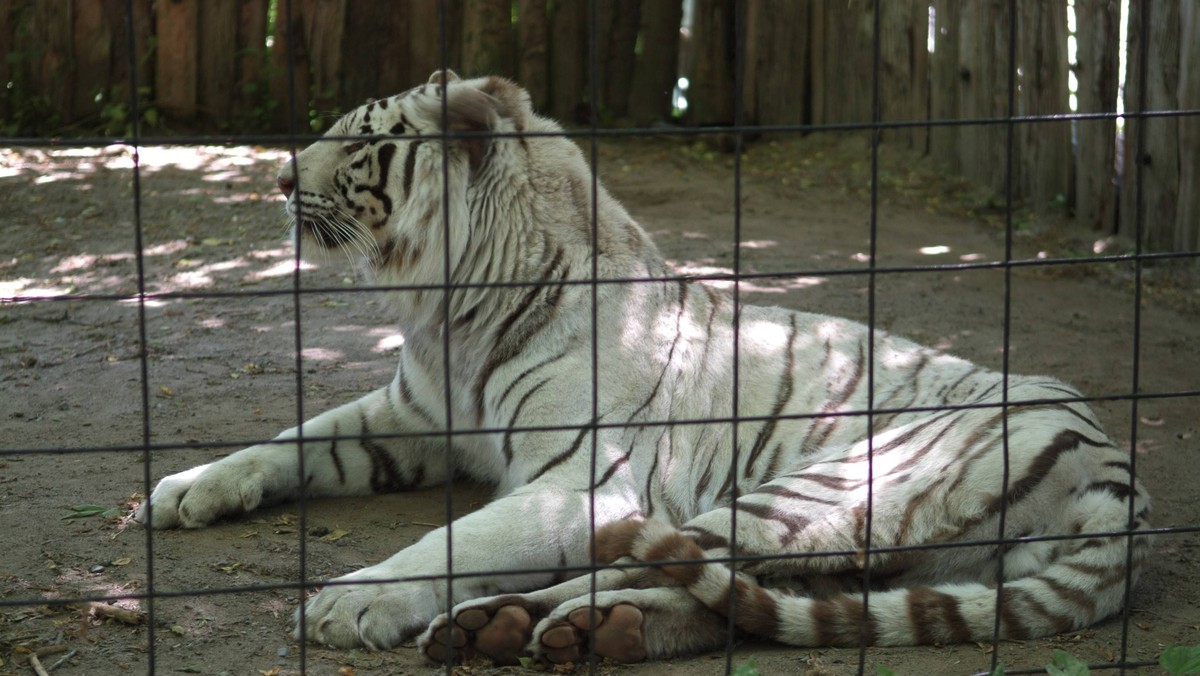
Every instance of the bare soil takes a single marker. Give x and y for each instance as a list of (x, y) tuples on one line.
[(222, 371)]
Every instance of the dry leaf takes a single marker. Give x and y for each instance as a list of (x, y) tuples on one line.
[(334, 535), (166, 391), (1144, 626), (123, 561), (1152, 422), (250, 534), (178, 630)]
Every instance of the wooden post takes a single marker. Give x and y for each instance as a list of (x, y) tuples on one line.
[(1187, 215), (53, 74), (1045, 147), (945, 84), (533, 44), (1157, 159), (777, 61), (984, 64), (710, 96), (618, 38), (375, 57), (1097, 35), (251, 88), (487, 43), (657, 68), (904, 70), (843, 61), (568, 59), (218, 48), (290, 84), (424, 38)]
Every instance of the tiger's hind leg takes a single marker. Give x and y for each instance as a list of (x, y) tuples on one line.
[(501, 627), (628, 625)]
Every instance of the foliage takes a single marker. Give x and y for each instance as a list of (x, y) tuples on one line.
[(1179, 660), (746, 668)]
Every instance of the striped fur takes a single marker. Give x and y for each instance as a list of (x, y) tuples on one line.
[(408, 191)]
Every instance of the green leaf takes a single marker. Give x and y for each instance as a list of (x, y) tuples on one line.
[(1178, 660), (881, 670), (746, 668), (998, 671), (1065, 664), (526, 662), (84, 511)]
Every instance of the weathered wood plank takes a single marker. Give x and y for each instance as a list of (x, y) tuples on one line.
[(945, 85), (777, 61), (1152, 144), (657, 68), (1045, 154), (176, 62), (1098, 34), (218, 49), (533, 45), (487, 47)]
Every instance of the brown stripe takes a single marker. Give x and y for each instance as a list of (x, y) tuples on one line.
[(935, 617)]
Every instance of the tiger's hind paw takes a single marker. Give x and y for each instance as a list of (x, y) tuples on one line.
[(615, 633), (499, 632)]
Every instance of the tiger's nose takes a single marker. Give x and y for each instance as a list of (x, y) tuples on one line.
[(286, 185)]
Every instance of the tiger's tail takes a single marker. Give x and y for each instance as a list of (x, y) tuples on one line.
[(1073, 591)]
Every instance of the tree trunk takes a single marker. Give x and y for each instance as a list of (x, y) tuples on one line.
[(533, 48), (568, 59), (711, 94), (1097, 35), (777, 61), (945, 85), (657, 68), (1045, 147), (1152, 144), (176, 68)]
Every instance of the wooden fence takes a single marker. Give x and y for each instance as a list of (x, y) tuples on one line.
[(223, 65)]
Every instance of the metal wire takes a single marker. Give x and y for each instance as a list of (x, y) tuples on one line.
[(1011, 121)]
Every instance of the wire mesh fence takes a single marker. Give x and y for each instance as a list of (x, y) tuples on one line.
[(302, 307)]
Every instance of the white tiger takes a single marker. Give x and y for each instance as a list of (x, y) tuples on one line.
[(652, 470)]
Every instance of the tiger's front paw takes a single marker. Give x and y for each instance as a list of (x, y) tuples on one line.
[(201, 495), (375, 615)]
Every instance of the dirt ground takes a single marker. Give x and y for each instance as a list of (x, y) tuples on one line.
[(222, 371)]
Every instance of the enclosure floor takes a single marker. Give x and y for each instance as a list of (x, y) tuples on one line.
[(222, 370)]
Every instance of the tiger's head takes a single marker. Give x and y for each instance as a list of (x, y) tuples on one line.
[(373, 187)]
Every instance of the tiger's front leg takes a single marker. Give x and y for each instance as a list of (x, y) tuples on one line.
[(498, 549), (345, 457)]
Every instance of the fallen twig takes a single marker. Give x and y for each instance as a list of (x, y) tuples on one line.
[(117, 613), (37, 665), (60, 660)]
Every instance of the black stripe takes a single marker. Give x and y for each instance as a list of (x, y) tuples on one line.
[(561, 457), (781, 400), (1118, 489), (527, 372), (410, 166), (507, 445), (407, 395), (337, 459), (385, 475)]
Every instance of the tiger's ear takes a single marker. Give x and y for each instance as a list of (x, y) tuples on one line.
[(443, 76)]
